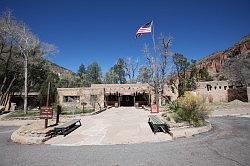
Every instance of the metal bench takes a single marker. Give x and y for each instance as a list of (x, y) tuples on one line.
[(67, 127), (158, 125)]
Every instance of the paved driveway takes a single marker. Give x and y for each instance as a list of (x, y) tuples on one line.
[(227, 144), (115, 126)]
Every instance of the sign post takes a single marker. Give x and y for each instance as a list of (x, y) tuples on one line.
[(46, 112), (58, 112), (83, 104)]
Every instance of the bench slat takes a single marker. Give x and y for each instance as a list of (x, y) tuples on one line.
[(155, 120), (158, 124), (67, 124)]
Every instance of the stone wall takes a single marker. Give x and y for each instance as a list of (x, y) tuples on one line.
[(126, 89), (81, 95), (73, 97), (213, 91), (62, 92)]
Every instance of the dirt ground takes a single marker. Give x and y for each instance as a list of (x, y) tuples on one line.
[(233, 105)]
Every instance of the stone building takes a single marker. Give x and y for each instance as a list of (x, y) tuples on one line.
[(213, 91), (221, 91), (102, 95)]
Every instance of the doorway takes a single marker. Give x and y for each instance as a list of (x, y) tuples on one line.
[(127, 100)]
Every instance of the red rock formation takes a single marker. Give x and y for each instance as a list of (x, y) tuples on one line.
[(214, 63)]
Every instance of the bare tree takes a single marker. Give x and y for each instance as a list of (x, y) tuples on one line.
[(111, 77), (131, 67), (156, 63), (27, 43), (143, 76), (16, 33)]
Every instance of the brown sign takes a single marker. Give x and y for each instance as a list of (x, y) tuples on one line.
[(46, 113), (83, 103)]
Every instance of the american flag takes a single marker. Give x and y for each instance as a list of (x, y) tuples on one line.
[(144, 29)]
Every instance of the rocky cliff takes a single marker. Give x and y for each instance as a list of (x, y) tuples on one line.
[(232, 64)]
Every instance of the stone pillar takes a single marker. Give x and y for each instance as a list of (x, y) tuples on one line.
[(12, 106)]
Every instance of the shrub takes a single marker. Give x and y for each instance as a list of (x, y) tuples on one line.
[(23, 114), (73, 111), (176, 108), (189, 108)]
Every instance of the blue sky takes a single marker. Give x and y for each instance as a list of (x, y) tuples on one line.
[(102, 31)]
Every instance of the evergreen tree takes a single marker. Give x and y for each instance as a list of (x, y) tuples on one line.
[(54, 84), (111, 77), (81, 79), (81, 71), (204, 75), (181, 64), (119, 70), (93, 74)]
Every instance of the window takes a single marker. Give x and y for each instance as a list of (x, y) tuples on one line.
[(215, 87), (219, 87), (71, 99), (172, 89), (93, 98), (209, 87), (225, 87)]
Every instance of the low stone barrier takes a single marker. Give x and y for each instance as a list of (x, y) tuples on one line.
[(33, 133), (190, 131), (19, 136)]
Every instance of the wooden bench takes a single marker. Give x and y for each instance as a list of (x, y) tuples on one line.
[(158, 125), (67, 127)]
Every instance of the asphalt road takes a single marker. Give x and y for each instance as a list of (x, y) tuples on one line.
[(227, 144)]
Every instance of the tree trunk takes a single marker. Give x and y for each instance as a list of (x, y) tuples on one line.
[(157, 98), (6, 102), (6, 68), (3, 97), (2, 86), (25, 83)]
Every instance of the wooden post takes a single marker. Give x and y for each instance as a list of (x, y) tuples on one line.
[(149, 102), (47, 104), (58, 112), (119, 100), (134, 99), (104, 97)]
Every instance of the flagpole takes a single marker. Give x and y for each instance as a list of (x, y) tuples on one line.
[(153, 35)]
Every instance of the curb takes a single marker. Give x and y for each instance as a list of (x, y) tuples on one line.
[(213, 116), (190, 131)]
